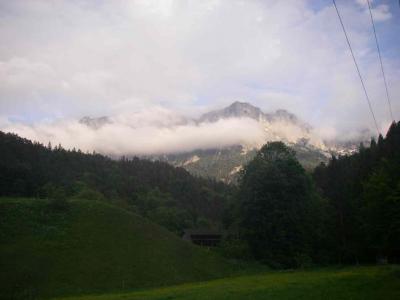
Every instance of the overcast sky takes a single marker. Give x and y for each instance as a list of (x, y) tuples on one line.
[(67, 59)]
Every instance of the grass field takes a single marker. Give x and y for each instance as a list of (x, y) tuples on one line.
[(91, 247), (381, 283)]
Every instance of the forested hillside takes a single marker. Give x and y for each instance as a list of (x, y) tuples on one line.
[(347, 212), (363, 191), (167, 195)]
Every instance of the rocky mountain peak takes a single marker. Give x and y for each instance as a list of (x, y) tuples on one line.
[(235, 110), (283, 113), (240, 109)]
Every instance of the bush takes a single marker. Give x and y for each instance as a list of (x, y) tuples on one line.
[(56, 195), (58, 200)]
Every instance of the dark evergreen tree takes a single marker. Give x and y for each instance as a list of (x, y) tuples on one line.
[(362, 190), (277, 214)]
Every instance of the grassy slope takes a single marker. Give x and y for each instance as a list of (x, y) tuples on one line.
[(348, 283), (93, 247)]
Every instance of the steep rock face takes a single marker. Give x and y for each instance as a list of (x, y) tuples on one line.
[(235, 110), (280, 125), (285, 116), (222, 164), (246, 110), (225, 163)]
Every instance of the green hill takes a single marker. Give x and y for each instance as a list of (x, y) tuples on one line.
[(91, 247)]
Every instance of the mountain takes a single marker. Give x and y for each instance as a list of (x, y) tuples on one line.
[(224, 163), (235, 110), (246, 110), (281, 125)]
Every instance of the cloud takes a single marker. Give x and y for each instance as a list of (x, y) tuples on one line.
[(380, 12), (157, 130), (152, 131), (66, 59)]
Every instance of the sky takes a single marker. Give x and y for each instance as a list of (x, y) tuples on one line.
[(62, 60)]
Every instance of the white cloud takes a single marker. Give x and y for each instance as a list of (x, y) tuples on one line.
[(381, 13), (23, 77), (157, 130), (152, 131), (74, 58)]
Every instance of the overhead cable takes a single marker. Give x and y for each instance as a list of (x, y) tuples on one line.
[(358, 70), (380, 59)]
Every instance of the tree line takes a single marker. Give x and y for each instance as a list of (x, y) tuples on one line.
[(363, 190), (167, 195), (346, 211)]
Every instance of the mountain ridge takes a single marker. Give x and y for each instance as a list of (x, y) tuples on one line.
[(224, 163)]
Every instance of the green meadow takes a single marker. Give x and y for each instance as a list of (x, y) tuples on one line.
[(367, 282), (92, 251)]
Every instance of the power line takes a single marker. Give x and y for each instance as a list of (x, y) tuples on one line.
[(380, 59), (358, 70)]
